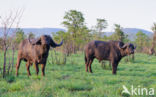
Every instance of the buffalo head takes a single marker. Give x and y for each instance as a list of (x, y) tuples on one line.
[(127, 48), (45, 40)]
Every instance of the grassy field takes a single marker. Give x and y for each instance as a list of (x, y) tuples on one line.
[(71, 80)]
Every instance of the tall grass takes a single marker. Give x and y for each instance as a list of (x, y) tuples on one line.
[(57, 58)]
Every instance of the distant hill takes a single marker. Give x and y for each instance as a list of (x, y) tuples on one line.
[(36, 31), (131, 32)]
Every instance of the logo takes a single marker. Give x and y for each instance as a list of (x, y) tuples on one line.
[(137, 90)]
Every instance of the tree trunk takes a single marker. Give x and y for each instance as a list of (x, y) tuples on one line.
[(4, 64)]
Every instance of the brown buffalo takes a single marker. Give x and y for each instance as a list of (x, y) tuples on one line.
[(111, 50), (36, 52)]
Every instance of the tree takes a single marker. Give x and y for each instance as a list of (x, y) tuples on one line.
[(31, 35), (82, 38), (119, 34), (141, 40), (20, 36), (74, 21), (7, 22), (67, 41), (100, 26)]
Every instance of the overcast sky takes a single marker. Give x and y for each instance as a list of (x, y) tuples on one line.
[(49, 13)]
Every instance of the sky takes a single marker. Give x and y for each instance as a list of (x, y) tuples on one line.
[(50, 13)]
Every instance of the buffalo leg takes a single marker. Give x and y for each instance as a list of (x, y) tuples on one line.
[(114, 68), (37, 69), (43, 69), (87, 67), (28, 68), (90, 67), (86, 62), (18, 65)]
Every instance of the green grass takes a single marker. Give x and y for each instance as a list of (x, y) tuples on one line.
[(71, 80)]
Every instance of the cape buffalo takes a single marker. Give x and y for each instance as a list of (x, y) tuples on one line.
[(112, 51), (36, 52)]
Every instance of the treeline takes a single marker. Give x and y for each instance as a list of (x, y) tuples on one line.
[(78, 34)]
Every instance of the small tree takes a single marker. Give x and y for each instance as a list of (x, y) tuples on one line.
[(67, 41), (19, 35), (141, 40), (7, 22), (74, 21), (119, 34), (100, 26), (31, 35)]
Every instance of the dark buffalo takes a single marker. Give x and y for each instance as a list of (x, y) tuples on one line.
[(36, 52), (111, 50)]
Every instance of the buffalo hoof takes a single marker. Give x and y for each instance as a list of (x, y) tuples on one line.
[(114, 73)]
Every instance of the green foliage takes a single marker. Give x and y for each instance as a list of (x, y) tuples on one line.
[(20, 36), (31, 35), (142, 40), (67, 40), (83, 36), (119, 34), (73, 20), (98, 29), (101, 24), (78, 33)]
